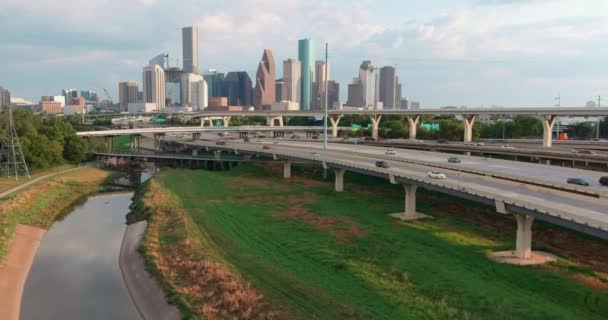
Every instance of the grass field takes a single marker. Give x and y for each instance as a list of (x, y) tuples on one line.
[(317, 254), (39, 204), (9, 183)]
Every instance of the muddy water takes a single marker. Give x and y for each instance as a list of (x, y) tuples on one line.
[(76, 273)]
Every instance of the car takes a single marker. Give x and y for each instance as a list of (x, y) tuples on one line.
[(442, 141), (578, 181), (454, 160), (265, 147), (604, 180), (382, 164), (585, 152), (314, 154), (507, 146), (220, 134), (220, 143), (295, 137), (390, 152), (480, 144), (436, 174), (246, 139), (368, 139), (316, 136)]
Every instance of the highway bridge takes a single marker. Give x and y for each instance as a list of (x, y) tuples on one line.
[(469, 116), (526, 190)]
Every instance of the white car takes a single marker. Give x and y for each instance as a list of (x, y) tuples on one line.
[(390, 152), (436, 174)]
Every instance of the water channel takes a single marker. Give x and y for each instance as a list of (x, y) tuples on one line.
[(76, 274)]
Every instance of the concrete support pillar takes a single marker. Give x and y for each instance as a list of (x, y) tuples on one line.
[(287, 169), (195, 152), (134, 142), (410, 201), (413, 123), (335, 120), (339, 180), (548, 122), (469, 121), (196, 136), (217, 154), (110, 143), (226, 120), (523, 244), (270, 120), (375, 123), (157, 141)]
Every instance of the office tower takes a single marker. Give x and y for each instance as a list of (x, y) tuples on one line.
[(405, 103), (278, 90), (214, 82), (154, 86), (174, 87), (127, 93), (190, 49), (194, 91), (5, 97), (264, 92), (398, 93), (333, 94), (161, 60), (291, 80), (89, 95), (369, 77), (69, 94), (307, 57), (237, 87), (322, 73), (355, 94), (414, 105), (388, 88)]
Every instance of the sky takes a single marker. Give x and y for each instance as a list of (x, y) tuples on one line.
[(517, 53)]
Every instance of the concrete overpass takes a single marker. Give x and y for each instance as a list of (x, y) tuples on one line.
[(469, 115), (528, 193)]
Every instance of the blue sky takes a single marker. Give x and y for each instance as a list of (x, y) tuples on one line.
[(447, 52)]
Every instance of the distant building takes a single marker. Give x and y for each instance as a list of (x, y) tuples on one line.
[(214, 82), (306, 55), (264, 91), (414, 105), (60, 99), (285, 106), (160, 60), (141, 107), (278, 90), (20, 101), (291, 80), (69, 94), (174, 78), (322, 73), (77, 102), (190, 49), (237, 87), (388, 87), (370, 84), (5, 97), (127, 93), (154, 86), (355, 94), (89, 96), (50, 107), (71, 109), (217, 102), (405, 103), (333, 94), (194, 91)]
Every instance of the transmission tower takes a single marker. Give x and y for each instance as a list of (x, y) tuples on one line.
[(11, 157)]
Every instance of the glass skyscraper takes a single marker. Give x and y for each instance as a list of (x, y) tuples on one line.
[(306, 56)]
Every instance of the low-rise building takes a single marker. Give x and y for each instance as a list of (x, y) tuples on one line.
[(50, 107), (71, 109), (141, 107), (285, 105), (215, 102)]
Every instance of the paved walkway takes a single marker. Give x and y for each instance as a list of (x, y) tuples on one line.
[(32, 181), (14, 271), (146, 293)]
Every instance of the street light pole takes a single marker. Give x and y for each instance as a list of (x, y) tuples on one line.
[(326, 98)]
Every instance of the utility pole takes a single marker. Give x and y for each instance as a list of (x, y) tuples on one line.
[(597, 127), (11, 156), (326, 98)]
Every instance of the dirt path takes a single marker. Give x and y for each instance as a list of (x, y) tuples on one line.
[(14, 271), (145, 291), (31, 182)]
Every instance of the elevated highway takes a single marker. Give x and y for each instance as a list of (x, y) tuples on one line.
[(500, 183)]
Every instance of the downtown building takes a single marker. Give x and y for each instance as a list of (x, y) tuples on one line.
[(194, 91), (190, 49), (237, 88), (390, 88), (214, 82), (264, 94), (291, 80), (306, 56), (322, 74), (127, 93), (5, 97), (153, 82)]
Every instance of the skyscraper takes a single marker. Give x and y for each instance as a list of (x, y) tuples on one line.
[(278, 90), (69, 94), (264, 93), (370, 84), (174, 87), (388, 88), (160, 60), (5, 97), (292, 80), (355, 94), (237, 87), (194, 91), (214, 82), (307, 57), (127, 93), (333, 94), (154, 86), (322, 73), (190, 49)]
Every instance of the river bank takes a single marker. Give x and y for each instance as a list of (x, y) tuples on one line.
[(25, 216)]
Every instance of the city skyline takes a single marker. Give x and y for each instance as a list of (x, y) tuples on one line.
[(469, 53)]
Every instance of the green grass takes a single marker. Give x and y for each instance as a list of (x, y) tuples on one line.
[(122, 144), (433, 269)]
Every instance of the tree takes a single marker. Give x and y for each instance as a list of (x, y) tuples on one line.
[(526, 127), (585, 130)]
